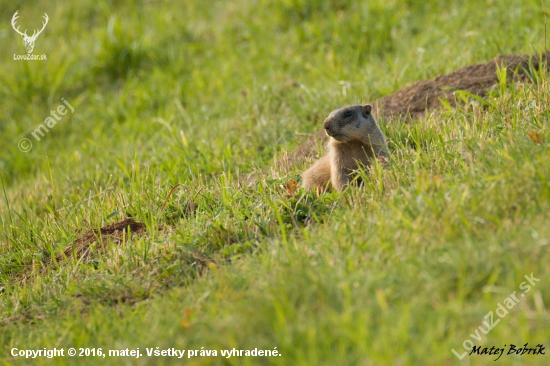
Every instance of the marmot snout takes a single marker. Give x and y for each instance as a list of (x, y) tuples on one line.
[(354, 138)]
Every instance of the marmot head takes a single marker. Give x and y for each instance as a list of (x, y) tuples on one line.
[(354, 123)]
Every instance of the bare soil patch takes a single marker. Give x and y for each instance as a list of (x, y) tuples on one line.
[(111, 233), (413, 101)]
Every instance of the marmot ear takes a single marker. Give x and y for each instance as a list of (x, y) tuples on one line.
[(367, 108)]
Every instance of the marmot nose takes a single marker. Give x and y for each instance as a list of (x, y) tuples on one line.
[(327, 126)]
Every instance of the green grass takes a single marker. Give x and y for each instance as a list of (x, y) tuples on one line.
[(397, 272)]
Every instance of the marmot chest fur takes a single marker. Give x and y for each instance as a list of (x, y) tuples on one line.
[(355, 139)]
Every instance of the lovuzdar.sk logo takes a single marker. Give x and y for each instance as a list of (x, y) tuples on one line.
[(28, 41)]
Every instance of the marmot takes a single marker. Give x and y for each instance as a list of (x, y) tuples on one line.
[(354, 138)]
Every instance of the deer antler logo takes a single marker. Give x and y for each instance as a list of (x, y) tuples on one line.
[(29, 41)]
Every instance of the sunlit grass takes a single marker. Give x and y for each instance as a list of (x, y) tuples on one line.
[(398, 271)]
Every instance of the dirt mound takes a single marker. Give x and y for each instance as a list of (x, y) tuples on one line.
[(414, 101), (114, 232)]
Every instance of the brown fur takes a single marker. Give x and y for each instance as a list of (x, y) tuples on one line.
[(355, 140)]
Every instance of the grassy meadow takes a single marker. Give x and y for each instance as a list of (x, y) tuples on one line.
[(400, 271)]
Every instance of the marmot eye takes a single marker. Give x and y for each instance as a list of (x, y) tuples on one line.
[(347, 114)]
